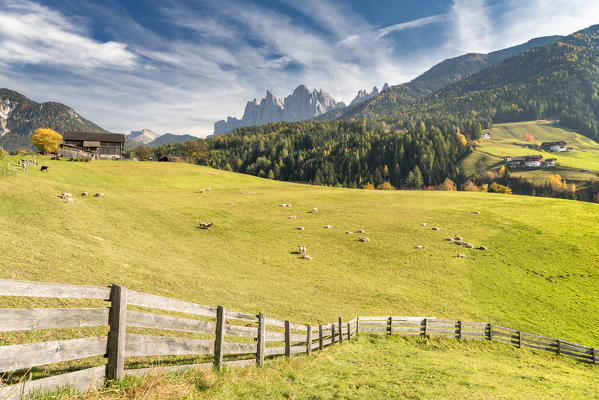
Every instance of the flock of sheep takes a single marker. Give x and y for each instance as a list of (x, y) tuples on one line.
[(457, 240), (69, 197), (302, 249)]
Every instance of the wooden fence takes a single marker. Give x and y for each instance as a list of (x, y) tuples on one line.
[(232, 338)]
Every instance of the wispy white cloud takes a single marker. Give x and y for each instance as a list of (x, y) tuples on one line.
[(226, 53), (416, 23), (34, 34)]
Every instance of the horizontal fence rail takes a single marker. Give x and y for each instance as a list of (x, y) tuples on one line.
[(230, 338)]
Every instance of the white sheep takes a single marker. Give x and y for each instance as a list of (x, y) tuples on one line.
[(66, 195), (448, 239), (292, 217), (364, 239), (302, 249), (420, 247), (299, 228), (206, 225), (475, 212), (349, 232), (328, 226), (424, 224), (360, 231), (99, 195), (468, 246), (314, 210), (70, 200), (306, 257), (462, 255)]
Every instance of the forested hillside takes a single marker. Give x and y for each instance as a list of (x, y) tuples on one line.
[(344, 153), (557, 81)]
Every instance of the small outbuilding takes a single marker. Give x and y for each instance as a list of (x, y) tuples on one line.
[(554, 146)]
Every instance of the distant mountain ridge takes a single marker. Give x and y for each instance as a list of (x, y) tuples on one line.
[(21, 116), (436, 78), (151, 139), (299, 105)]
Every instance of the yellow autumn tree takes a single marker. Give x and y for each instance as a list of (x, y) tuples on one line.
[(502, 170), (462, 139), (46, 140)]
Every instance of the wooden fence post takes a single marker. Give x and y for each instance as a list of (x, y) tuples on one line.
[(426, 327), (559, 347), (390, 325), (340, 330), (309, 340), (220, 337), (490, 332), (594, 356), (287, 339), (519, 339), (115, 368), (332, 333), (357, 325), (261, 341), (320, 338), (460, 334), (348, 332)]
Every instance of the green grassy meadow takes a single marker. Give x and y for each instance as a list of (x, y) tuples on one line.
[(540, 272), (507, 140), (377, 367)]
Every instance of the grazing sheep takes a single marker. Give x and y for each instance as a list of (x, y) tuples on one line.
[(314, 210), (299, 228), (208, 189), (306, 257), (70, 200), (66, 195), (424, 224), (206, 225), (419, 247), (360, 231), (349, 232), (285, 205), (229, 204), (461, 255), (293, 217), (434, 228), (84, 194), (475, 212), (302, 249), (459, 242), (457, 237), (448, 239), (468, 245), (99, 195), (328, 226), (481, 248), (364, 239)]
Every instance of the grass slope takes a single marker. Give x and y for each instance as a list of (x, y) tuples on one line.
[(540, 273), (508, 140), (376, 368)]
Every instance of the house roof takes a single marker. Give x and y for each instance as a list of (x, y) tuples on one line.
[(558, 143), (94, 136)]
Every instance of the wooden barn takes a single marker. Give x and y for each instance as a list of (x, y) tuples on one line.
[(96, 145)]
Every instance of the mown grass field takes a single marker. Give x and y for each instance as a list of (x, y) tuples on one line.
[(508, 140), (378, 368), (539, 274)]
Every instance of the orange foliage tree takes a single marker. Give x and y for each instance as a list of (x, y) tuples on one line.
[(46, 140), (529, 138)]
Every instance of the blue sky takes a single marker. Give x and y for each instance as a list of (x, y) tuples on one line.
[(179, 66)]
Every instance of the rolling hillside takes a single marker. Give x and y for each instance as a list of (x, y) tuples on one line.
[(507, 139), (144, 234), (556, 81), (538, 274)]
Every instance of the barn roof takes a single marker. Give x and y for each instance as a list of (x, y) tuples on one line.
[(94, 136)]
